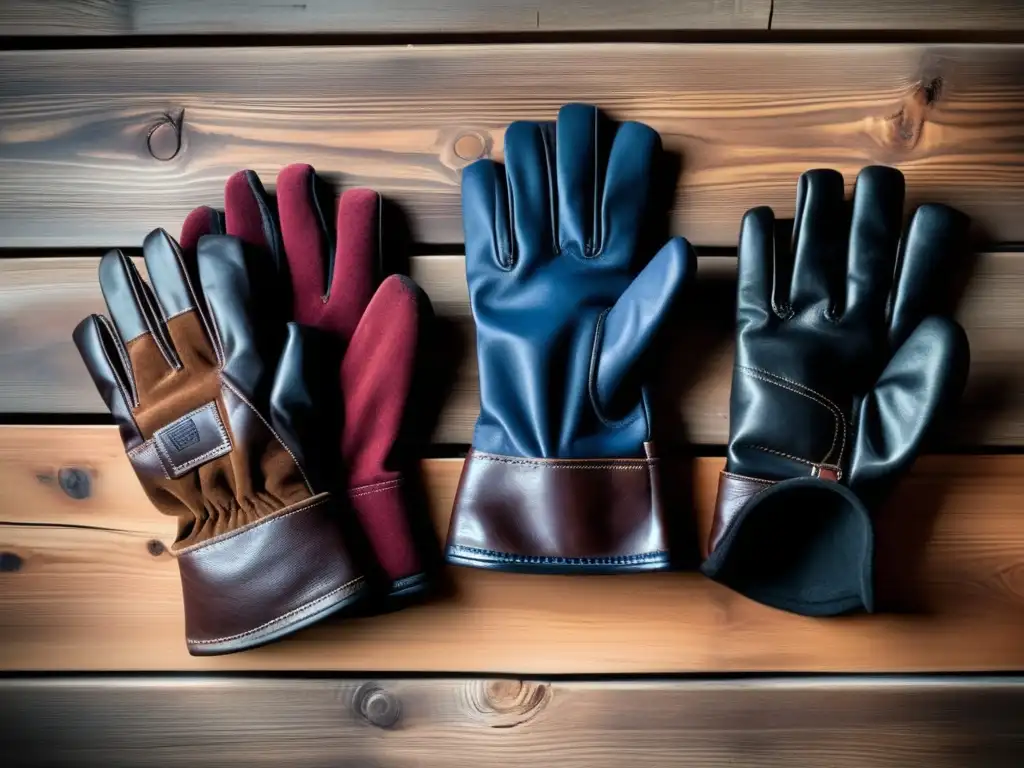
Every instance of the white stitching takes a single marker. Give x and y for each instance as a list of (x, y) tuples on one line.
[(623, 464), (748, 478), (229, 385), (219, 450), (810, 394), (146, 447), (367, 490), (349, 586)]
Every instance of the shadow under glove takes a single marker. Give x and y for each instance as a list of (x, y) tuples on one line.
[(562, 474), (206, 402), (843, 362)]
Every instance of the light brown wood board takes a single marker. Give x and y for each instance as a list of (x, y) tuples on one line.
[(97, 147), (87, 583)]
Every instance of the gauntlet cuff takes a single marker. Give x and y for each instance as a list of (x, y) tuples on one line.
[(559, 515)]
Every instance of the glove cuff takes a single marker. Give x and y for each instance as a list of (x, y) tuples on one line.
[(267, 579), (559, 515), (804, 545), (380, 508)]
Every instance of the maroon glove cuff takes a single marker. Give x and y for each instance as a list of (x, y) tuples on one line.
[(380, 507), (267, 579)]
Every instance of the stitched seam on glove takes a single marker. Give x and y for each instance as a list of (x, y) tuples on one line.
[(366, 490), (810, 394), (149, 445), (221, 449), (620, 464), (507, 557), (349, 586), (281, 514), (244, 399)]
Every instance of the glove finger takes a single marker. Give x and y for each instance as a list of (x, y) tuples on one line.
[(172, 279), (631, 324), (106, 359), (305, 208), (580, 176), (755, 302), (529, 154), (139, 322), (819, 240), (485, 219), (874, 242), (357, 262), (626, 188), (201, 221), (249, 214), (925, 376), (233, 303), (936, 236), (376, 375)]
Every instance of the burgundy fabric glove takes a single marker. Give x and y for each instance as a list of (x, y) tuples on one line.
[(336, 288)]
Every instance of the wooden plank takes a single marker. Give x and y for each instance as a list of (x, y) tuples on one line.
[(890, 15), (86, 583), (761, 723), (41, 300), (201, 17), (746, 120)]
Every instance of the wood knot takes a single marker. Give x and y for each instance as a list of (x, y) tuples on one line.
[(164, 139), (10, 562), (461, 147), (155, 547), (906, 126), (76, 483), (507, 703), (379, 707)]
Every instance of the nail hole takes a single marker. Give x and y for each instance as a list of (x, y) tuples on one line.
[(155, 547), (10, 562)]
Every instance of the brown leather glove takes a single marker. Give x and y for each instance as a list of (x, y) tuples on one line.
[(214, 405)]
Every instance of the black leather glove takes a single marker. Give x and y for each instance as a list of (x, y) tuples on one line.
[(843, 362)]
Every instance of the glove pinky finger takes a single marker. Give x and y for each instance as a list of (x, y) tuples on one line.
[(107, 362)]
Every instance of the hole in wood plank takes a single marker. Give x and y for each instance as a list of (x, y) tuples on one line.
[(10, 562), (461, 147), (155, 547)]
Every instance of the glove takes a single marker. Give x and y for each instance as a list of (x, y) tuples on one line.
[(334, 286), (843, 362), (211, 412), (562, 474)]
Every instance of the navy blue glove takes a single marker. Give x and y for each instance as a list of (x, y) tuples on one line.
[(562, 474)]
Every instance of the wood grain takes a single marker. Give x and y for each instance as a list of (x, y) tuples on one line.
[(760, 723), (200, 17), (41, 300), (746, 120), (889, 15), (86, 583)]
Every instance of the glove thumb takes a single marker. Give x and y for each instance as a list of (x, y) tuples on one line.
[(632, 323), (925, 376)]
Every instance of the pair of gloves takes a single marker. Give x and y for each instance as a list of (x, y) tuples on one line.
[(845, 357), (223, 375)]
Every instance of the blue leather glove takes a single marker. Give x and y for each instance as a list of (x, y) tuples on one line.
[(562, 475)]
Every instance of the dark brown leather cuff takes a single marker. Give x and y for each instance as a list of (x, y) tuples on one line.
[(267, 579), (559, 515)]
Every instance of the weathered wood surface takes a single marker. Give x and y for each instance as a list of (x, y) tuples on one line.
[(894, 15), (871, 723), (41, 300), (746, 119), (170, 17), (86, 583)]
